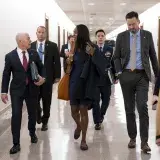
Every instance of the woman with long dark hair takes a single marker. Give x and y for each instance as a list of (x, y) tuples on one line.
[(83, 78)]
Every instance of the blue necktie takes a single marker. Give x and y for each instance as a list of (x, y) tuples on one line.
[(40, 51)]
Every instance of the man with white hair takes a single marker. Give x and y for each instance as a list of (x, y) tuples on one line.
[(22, 87)]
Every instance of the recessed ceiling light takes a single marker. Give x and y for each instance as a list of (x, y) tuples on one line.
[(91, 4), (110, 18), (123, 4)]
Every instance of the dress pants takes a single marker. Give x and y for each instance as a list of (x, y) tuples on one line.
[(17, 104), (135, 89), (46, 97), (103, 93)]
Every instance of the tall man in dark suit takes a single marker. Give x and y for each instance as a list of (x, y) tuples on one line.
[(104, 87), (22, 87), (65, 51), (49, 55), (133, 50)]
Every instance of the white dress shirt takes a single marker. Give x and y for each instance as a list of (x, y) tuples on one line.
[(20, 55)]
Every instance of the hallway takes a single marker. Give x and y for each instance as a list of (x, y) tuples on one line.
[(58, 144)]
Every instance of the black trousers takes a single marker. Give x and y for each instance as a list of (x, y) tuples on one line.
[(103, 93), (135, 89), (17, 104), (46, 96)]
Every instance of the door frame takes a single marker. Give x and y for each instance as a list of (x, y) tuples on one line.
[(158, 40)]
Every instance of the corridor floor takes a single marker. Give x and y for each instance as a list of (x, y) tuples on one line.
[(58, 144)]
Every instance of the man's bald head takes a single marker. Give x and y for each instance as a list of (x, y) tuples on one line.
[(23, 41)]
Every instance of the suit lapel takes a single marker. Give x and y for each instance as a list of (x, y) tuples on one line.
[(142, 41), (46, 50), (127, 40), (17, 60)]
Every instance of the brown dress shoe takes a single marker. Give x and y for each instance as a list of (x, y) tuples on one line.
[(145, 148), (132, 143)]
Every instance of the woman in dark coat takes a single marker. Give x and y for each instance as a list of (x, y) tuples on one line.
[(87, 67)]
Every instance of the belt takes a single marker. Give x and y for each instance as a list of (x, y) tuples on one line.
[(135, 70)]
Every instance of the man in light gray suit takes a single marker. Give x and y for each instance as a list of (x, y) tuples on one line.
[(134, 49)]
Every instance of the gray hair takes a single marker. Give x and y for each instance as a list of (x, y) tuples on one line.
[(20, 36)]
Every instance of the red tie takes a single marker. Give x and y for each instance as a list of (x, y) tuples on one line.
[(25, 63)]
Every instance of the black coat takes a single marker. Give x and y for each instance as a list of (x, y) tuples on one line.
[(94, 67)]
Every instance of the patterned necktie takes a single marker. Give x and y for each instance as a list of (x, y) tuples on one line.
[(25, 63), (133, 53), (40, 51)]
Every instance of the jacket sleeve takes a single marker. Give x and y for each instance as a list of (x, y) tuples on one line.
[(157, 85), (57, 63), (62, 54), (117, 55), (6, 75), (153, 57)]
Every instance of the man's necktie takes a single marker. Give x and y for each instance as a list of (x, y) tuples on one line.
[(40, 51), (100, 49), (25, 63), (133, 53)]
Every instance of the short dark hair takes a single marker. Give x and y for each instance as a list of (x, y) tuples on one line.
[(100, 30), (132, 14), (41, 27)]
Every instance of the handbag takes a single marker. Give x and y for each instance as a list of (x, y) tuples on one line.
[(63, 86)]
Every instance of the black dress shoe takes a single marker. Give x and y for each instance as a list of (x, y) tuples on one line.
[(102, 118), (15, 149), (145, 148), (34, 139), (98, 126), (44, 127), (132, 143)]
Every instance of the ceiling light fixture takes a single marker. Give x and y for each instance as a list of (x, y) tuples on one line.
[(110, 18), (91, 4), (123, 4)]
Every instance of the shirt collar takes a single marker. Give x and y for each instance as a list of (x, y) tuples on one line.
[(101, 45), (20, 50), (43, 42), (137, 34)]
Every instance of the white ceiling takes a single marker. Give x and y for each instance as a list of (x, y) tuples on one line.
[(105, 14)]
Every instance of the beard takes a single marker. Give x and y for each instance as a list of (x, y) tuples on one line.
[(134, 31)]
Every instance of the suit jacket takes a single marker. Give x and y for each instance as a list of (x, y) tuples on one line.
[(18, 84), (122, 52), (108, 56), (62, 54), (51, 60)]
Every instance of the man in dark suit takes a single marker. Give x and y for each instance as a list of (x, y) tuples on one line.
[(104, 88), (49, 55), (22, 87), (65, 51), (133, 50)]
